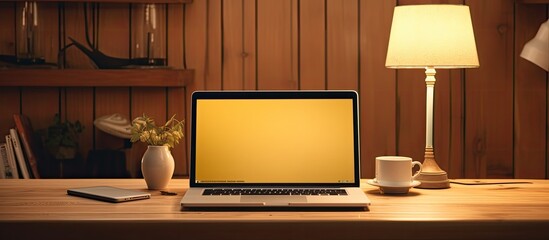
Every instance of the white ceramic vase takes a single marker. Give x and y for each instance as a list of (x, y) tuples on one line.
[(157, 166)]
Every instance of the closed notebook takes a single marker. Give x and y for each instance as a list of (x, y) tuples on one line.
[(109, 194)]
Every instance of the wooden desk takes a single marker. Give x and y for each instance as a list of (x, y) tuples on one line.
[(40, 209)]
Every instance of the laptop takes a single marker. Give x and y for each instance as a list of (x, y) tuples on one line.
[(274, 149)]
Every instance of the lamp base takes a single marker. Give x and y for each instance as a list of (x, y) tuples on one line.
[(431, 176)]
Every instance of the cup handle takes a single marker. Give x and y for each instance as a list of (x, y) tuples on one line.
[(418, 171)]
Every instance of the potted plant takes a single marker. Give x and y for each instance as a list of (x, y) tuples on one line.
[(62, 138), (157, 164)]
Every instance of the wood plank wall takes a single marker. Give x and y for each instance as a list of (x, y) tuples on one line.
[(490, 122)]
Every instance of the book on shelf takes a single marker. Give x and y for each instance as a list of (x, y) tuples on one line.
[(29, 143), (19, 154), (5, 165), (3, 161), (11, 157)]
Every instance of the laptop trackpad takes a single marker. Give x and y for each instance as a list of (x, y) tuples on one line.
[(268, 200)]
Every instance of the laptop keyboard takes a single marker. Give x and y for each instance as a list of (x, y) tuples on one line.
[(274, 191)]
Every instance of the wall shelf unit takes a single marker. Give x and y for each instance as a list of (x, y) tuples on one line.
[(95, 78), (24, 77)]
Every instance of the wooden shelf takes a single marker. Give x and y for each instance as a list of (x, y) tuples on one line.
[(95, 78), (114, 1)]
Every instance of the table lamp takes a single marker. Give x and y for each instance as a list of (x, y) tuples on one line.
[(430, 37), (537, 49)]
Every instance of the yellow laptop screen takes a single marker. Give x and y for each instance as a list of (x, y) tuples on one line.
[(274, 141)]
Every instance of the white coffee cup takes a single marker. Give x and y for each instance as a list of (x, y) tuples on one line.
[(395, 171)]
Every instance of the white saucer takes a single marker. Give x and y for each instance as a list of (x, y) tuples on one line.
[(392, 189)]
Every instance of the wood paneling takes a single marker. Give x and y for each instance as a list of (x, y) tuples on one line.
[(233, 45), (238, 35), (213, 66), (250, 44), (7, 36), (275, 31), (41, 112), (377, 84), (10, 104), (50, 30), (312, 45), (489, 122), (75, 106), (489, 92), (530, 114), (342, 44), (73, 27), (196, 51), (176, 101), (450, 142)]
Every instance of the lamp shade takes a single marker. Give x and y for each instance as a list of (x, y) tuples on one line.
[(439, 36), (537, 49)]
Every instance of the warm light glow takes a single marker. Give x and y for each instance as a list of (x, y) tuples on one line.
[(537, 49), (439, 36), (297, 141)]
